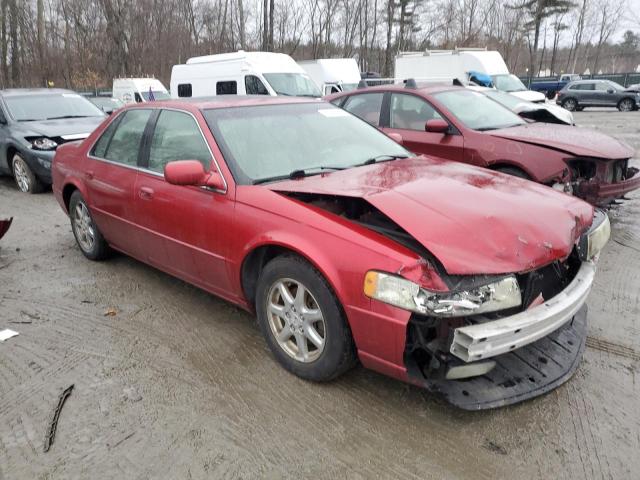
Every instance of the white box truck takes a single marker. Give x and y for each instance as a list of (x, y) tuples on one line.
[(241, 73), (138, 90), (333, 75), (460, 63)]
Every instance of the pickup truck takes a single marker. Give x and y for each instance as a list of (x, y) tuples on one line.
[(551, 87)]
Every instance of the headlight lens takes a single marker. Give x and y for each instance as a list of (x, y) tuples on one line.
[(402, 293), (594, 240), (43, 143)]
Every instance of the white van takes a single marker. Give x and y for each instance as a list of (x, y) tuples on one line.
[(460, 63), (333, 75), (241, 73), (138, 90)]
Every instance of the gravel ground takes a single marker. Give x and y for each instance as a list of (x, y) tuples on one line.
[(171, 382)]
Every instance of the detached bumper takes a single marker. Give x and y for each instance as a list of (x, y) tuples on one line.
[(522, 374), (597, 192), (486, 340)]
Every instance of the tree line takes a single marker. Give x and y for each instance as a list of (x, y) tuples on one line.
[(86, 43)]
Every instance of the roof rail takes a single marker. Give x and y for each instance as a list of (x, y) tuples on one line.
[(410, 83)]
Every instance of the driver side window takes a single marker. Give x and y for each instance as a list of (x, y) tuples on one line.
[(409, 112)]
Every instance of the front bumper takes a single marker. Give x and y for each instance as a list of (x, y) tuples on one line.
[(522, 374), (40, 163), (599, 192), (488, 339)]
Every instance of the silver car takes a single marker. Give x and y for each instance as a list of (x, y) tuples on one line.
[(580, 94)]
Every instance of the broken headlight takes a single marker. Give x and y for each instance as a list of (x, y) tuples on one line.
[(43, 143), (403, 293), (594, 240)]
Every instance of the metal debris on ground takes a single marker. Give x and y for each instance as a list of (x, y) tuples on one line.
[(110, 312), (7, 334), (53, 425)]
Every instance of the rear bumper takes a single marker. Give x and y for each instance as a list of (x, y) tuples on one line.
[(492, 338), (522, 374)]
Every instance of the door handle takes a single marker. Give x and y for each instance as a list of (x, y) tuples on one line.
[(88, 175), (146, 193)]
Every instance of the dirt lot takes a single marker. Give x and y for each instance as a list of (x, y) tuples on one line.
[(178, 384)]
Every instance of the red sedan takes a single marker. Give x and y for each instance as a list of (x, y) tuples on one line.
[(345, 247), (463, 125)]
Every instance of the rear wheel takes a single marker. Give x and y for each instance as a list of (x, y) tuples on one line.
[(26, 180), (88, 236), (302, 320), (626, 105), (570, 104), (514, 171)]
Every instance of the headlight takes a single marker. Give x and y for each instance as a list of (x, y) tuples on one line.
[(592, 242), (402, 293), (43, 143)]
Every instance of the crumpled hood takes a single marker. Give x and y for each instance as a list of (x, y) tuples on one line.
[(581, 142), (475, 221), (61, 127)]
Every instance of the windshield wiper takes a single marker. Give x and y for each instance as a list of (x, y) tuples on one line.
[(70, 116), (383, 158), (300, 173)]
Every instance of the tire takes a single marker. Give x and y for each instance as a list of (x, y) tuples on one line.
[(551, 94), (313, 319), (88, 237), (626, 105), (570, 104), (514, 171), (25, 179)]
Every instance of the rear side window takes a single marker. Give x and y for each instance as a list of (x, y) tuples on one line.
[(124, 144), (184, 90), (409, 112), (366, 106), (254, 86), (177, 137), (583, 86), (227, 88)]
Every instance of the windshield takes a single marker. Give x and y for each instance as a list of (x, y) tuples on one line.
[(157, 95), (292, 84), (477, 111), (106, 102), (24, 108), (268, 141), (508, 83)]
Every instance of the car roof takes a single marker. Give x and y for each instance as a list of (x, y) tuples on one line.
[(11, 92), (225, 101)]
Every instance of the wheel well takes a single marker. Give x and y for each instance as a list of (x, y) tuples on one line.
[(253, 264), (67, 191), (11, 151), (501, 165), (627, 98)]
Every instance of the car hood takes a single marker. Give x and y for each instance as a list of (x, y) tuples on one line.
[(474, 221), (580, 142), (545, 112), (529, 95), (63, 127)]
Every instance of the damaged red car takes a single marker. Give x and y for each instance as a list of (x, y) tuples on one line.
[(464, 281), (463, 125)]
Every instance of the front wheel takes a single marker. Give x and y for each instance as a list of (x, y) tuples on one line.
[(88, 236), (302, 320), (626, 105), (570, 104), (26, 180)]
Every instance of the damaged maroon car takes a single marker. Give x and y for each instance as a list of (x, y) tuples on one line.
[(461, 280), (463, 125)]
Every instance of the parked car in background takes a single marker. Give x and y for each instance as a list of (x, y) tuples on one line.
[(138, 90), (551, 87), (597, 93), (433, 272), (459, 124), (33, 123), (241, 73), (107, 104), (332, 75), (633, 88), (537, 112)]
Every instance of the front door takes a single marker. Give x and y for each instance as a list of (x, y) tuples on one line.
[(186, 229), (110, 176), (408, 115)]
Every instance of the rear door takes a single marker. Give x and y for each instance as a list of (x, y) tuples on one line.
[(186, 230), (110, 176), (586, 93), (408, 115)]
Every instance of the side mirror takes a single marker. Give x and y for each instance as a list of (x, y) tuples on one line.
[(436, 126), (191, 172), (396, 137), (610, 90)]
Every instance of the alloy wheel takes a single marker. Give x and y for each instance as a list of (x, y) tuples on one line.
[(20, 173), (626, 105), (83, 227), (296, 320), (570, 104)]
